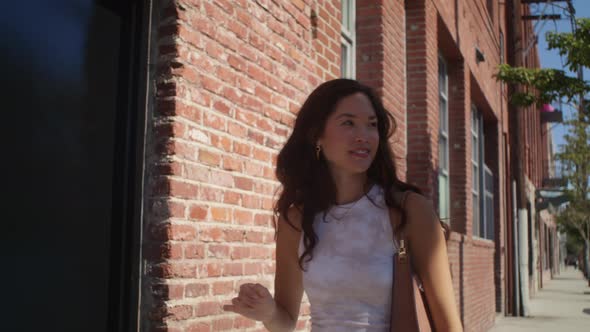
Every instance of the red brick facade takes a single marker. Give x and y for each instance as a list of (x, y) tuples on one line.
[(231, 76)]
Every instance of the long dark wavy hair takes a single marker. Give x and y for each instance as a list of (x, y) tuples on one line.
[(306, 181)]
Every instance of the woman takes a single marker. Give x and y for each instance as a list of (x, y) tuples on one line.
[(334, 234)]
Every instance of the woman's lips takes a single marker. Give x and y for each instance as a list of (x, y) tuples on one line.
[(360, 153)]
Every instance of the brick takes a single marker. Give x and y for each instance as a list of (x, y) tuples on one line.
[(174, 270), (168, 291), (222, 179), (212, 234), (192, 251), (243, 217), (207, 308), (252, 269), (209, 158), (233, 269), (234, 235), (182, 189), (223, 324), (199, 327), (251, 202), (210, 270), (231, 164), (230, 197), (182, 232), (218, 251), (256, 237), (196, 172), (180, 312), (198, 212), (241, 323), (238, 253), (243, 183), (220, 214), (197, 290), (223, 288)]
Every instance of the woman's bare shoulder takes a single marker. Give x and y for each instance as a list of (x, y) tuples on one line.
[(419, 206), (422, 216), (292, 220)]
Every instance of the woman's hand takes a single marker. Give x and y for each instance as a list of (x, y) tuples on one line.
[(254, 301)]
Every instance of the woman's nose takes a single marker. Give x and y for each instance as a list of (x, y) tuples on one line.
[(362, 135)]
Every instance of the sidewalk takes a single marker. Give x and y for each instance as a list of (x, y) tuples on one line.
[(562, 305)]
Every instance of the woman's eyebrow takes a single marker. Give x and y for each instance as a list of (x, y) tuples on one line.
[(349, 115)]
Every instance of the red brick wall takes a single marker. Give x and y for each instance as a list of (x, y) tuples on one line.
[(422, 107), (231, 76), (471, 270), (480, 301), (470, 25), (454, 30), (455, 251), (381, 62), (460, 146)]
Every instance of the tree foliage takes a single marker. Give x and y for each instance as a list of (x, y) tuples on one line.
[(542, 86), (575, 159)]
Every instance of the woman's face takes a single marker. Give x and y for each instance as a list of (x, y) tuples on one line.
[(350, 138)]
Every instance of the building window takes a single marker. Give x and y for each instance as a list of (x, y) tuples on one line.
[(482, 189), (443, 141), (475, 169), (348, 56)]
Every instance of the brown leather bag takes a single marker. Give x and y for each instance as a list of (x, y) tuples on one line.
[(409, 309)]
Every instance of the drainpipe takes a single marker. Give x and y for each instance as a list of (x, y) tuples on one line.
[(516, 253), (523, 251)]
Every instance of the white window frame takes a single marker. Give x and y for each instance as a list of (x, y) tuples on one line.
[(348, 40), (482, 190), (475, 171), (444, 190)]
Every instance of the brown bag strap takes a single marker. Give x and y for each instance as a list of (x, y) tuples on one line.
[(398, 240)]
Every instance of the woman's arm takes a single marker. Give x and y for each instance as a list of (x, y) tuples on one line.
[(288, 282), (254, 301), (428, 251)]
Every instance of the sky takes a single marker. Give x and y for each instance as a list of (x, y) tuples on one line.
[(551, 58)]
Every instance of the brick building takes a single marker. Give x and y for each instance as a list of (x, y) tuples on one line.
[(179, 108), (231, 76)]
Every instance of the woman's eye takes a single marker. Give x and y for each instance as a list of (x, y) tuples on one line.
[(347, 123), (373, 124)]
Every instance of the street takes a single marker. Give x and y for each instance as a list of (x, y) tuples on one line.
[(562, 305)]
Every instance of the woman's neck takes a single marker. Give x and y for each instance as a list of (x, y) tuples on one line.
[(350, 188)]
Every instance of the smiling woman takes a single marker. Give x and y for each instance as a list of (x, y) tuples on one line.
[(350, 138), (338, 211)]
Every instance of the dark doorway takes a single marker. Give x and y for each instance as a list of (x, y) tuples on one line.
[(73, 128)]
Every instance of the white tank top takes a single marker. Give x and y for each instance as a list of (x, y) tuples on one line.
[(348, 282)]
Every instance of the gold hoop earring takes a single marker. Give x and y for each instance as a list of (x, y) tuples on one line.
[(318, 148)]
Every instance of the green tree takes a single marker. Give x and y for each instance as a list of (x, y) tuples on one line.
[(543, 86), (575, 159), (548, 84)]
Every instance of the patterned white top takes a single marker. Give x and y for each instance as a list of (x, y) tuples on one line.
[(348, 282)]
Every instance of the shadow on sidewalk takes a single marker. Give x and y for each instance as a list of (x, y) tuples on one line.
[(565, 278)]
